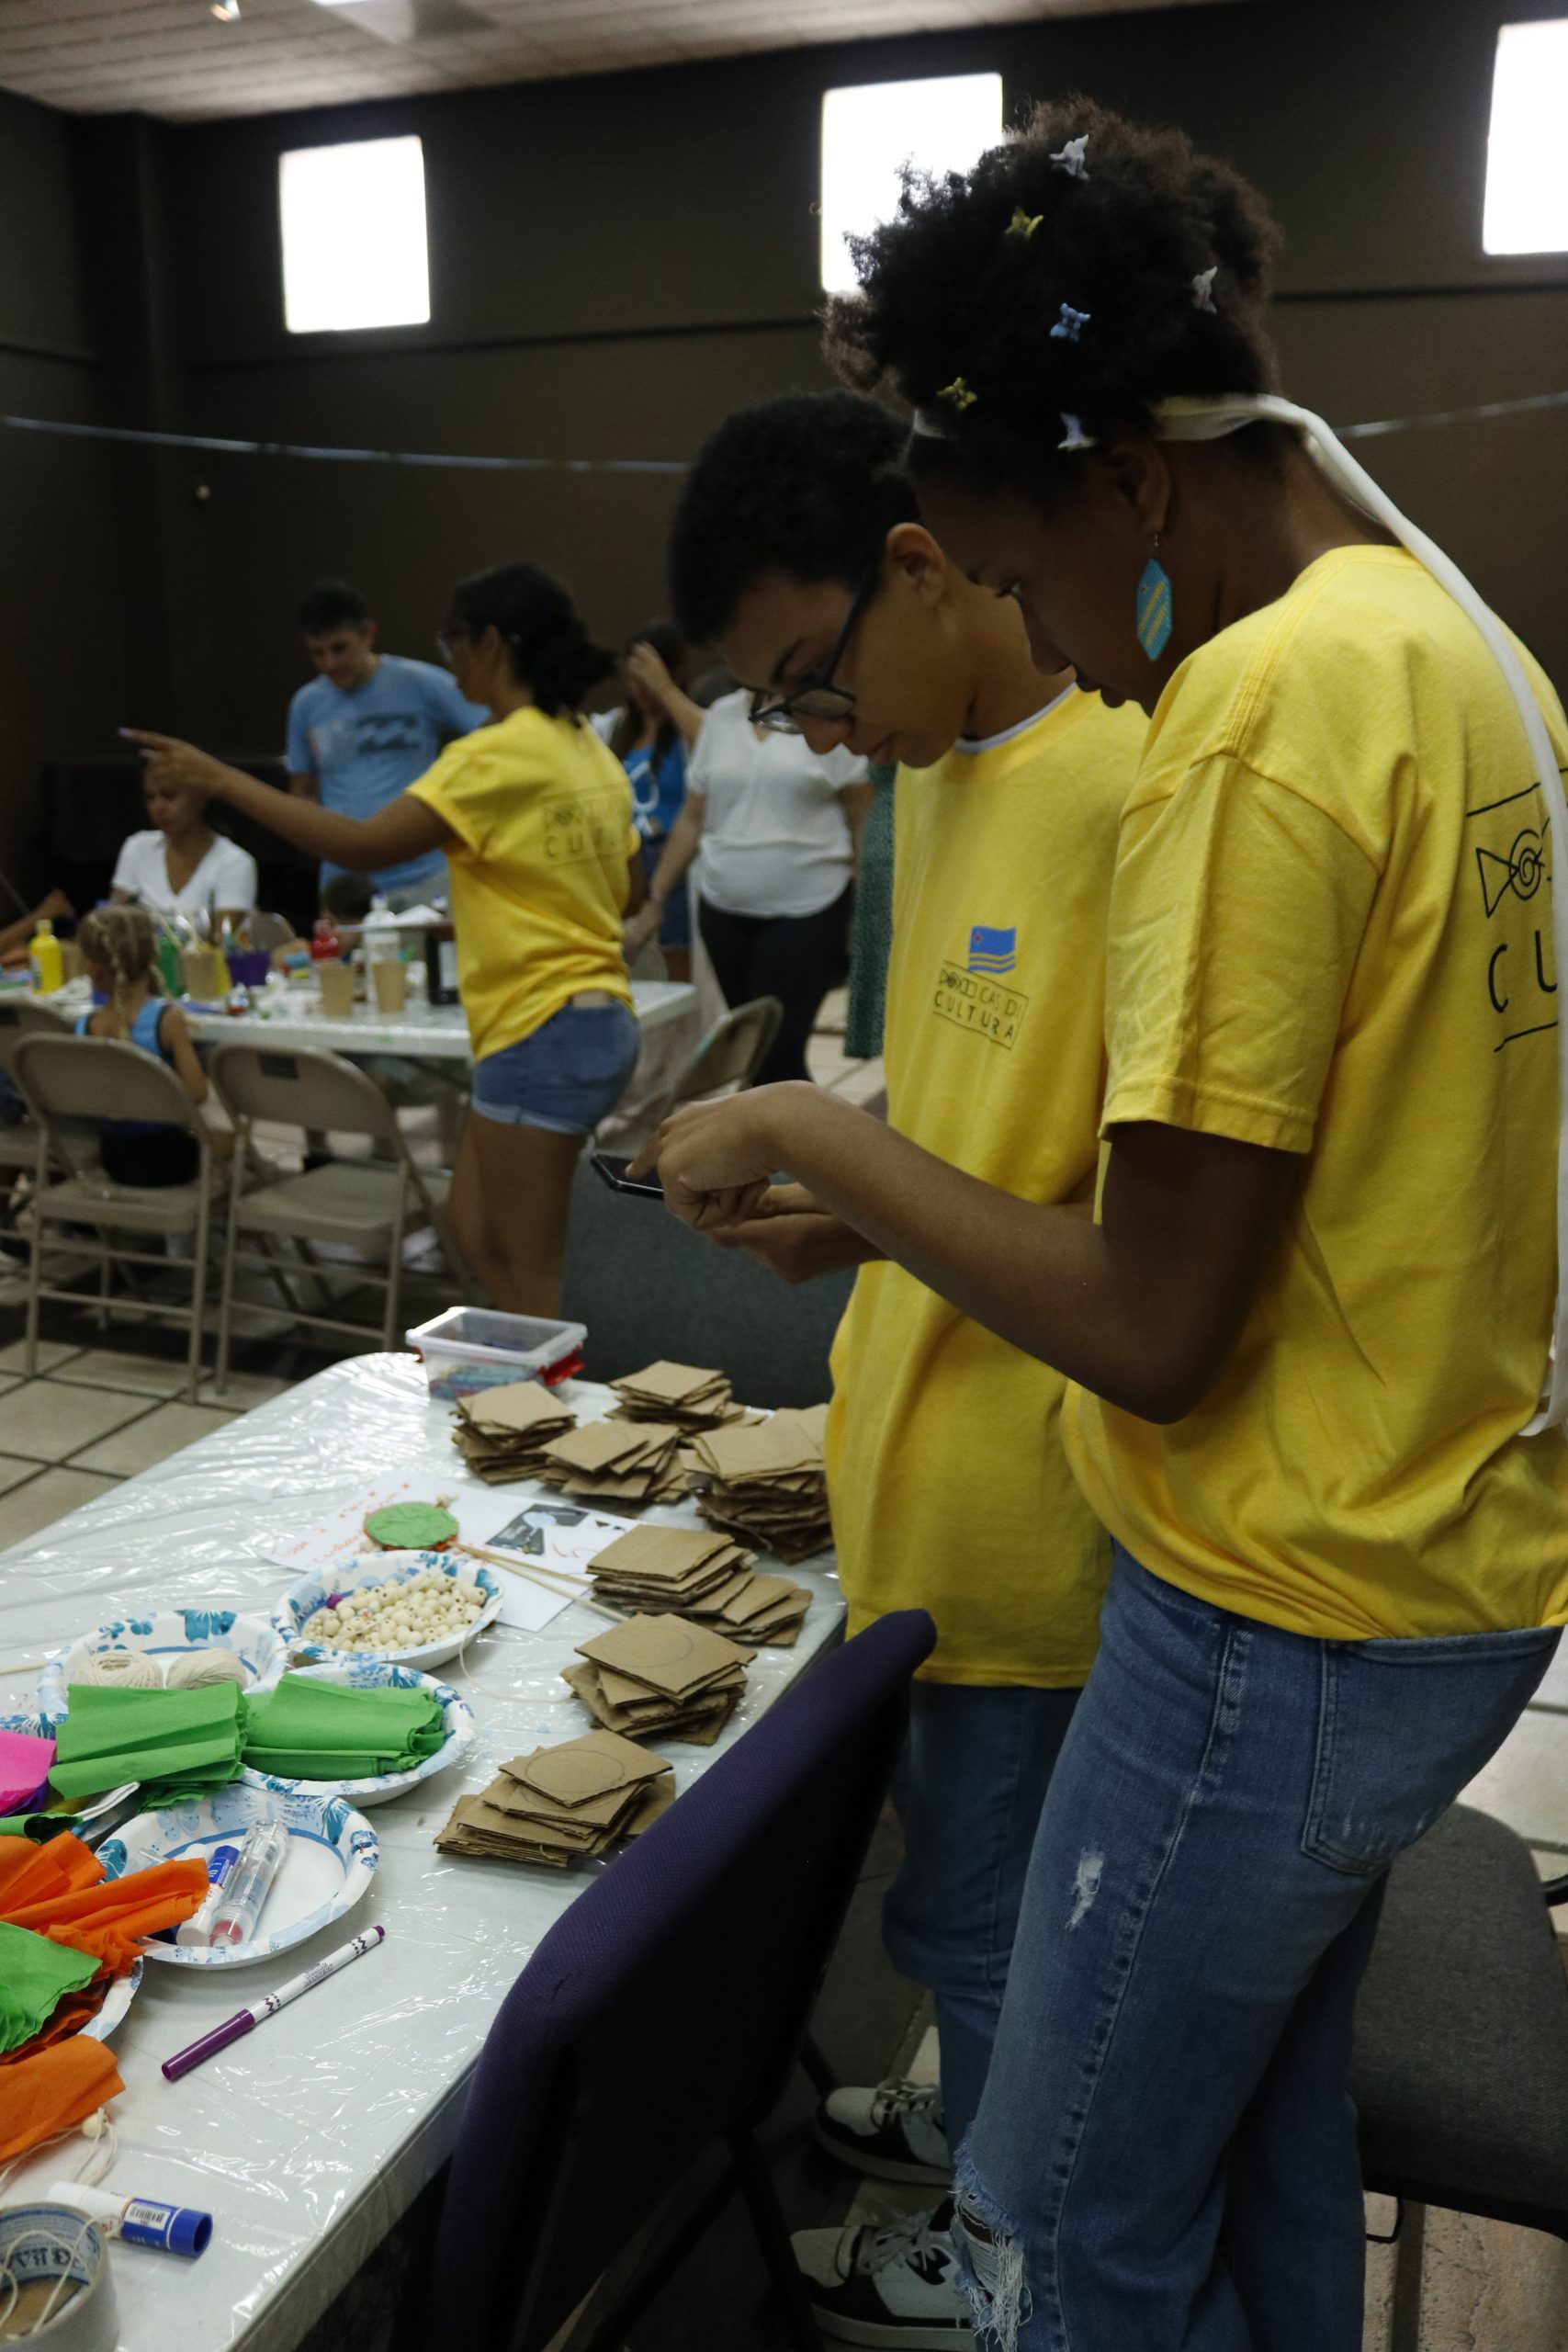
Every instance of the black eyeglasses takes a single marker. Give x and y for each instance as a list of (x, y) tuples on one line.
[(816, 696)]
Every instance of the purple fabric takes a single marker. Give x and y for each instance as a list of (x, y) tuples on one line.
[(668, 2004)]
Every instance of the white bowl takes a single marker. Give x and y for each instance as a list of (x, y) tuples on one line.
[(171, 1633), (302, 1599), (332, 1858), (380, 1674)]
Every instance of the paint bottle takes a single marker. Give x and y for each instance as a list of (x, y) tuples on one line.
[(44, 959)]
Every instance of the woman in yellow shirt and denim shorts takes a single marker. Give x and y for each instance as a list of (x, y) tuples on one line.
[(535, 816), (1311, 1324)]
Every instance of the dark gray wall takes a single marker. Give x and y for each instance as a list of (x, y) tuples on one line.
[(618, 261), (59, 577)]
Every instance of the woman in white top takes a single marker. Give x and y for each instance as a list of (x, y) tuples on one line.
[(182, 867), (775, 829)]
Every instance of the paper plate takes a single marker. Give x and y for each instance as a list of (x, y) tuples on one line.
[(331, 1858), (380, 1674), (302, 1599), (173, 1633), (115, 2003)]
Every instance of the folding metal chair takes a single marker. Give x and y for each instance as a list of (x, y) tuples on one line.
[(73, 1085), (733, 1051), (661, 2016), (19, 1018), (361, 1205)]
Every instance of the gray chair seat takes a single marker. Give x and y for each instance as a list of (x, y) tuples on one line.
[(1461, 2069), (97, 1200), (345, 1202)]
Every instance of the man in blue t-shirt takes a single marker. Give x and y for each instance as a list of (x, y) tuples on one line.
[(367, 725)]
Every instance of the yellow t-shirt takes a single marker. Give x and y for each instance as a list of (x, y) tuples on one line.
[(1331, 933), (541, 809), (950, 1490)]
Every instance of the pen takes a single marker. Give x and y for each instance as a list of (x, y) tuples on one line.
[(242, 2022)]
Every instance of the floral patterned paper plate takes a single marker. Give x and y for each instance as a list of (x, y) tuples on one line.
[(171, 1633), (380, 1674), (332, 1858)]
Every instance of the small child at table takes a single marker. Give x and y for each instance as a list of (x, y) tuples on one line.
[(119, 946)]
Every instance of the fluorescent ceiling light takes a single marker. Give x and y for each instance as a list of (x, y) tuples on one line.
[(870, 131), (354, 240), (1526, 149)]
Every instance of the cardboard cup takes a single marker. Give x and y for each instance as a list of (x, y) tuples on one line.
[(335, 980), (389, 981)]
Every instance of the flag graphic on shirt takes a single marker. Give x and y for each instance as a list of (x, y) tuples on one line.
[(992, 951)]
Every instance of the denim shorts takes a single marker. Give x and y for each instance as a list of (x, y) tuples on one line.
[(565, 1078)]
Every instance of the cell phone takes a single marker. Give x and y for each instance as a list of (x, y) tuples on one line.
[(614, 1172)]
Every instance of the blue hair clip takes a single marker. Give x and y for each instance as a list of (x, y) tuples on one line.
[(1070, 325), (1070, 158)]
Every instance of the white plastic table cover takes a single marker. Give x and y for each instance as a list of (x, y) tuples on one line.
[(423, 1032), (307, 2140)]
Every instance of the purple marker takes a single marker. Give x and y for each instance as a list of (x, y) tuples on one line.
[(243, 2020)]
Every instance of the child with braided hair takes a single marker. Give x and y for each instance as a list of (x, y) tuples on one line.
[(1319, 1378), (119, 946)]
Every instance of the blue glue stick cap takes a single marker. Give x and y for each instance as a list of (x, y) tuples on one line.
[(172, 2228)]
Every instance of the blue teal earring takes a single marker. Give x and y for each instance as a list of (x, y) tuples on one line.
[(1154, 606)]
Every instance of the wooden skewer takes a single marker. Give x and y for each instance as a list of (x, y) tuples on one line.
[(548, 1579), (26, 1665)]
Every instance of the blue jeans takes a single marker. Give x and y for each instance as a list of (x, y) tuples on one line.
[(1165, 2156), (969, 1786), (564, 1077)]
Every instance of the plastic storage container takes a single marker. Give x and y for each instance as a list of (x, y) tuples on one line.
[(470, 1347)]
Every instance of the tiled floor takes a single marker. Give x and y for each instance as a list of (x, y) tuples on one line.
[(92, 1417)]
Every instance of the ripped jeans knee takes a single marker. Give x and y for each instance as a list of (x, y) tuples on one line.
[(990, 2259)]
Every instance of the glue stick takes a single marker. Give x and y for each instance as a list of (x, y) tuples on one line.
[(249, 1883), (171, 2229)]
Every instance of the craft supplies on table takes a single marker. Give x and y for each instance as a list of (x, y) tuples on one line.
[(501, 1433), (54, 2272), (139, 2221), (563, 1805), (659, 1678), (174, 1742), (327, 1867), (702, 1576), (175, 1645), (470, 1347), (301, 2139), (621, 1462), (683, 1393), (385, 1575), (244, 2021), (363, 1729), (767, 1482)]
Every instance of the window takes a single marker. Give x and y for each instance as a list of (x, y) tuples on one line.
[(871, 131), (1526, 151), (353, 246)]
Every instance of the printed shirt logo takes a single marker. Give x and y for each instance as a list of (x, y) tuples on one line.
[(1511, 871), (992, 951)]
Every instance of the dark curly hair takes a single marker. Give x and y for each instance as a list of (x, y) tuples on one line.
[(808, 485), (550, 651), (979, 281)]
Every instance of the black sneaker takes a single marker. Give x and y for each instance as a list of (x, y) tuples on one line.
[(886, 2287), (894, 2132)]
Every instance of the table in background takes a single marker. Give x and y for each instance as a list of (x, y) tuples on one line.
[(425, 1031), (307, 2140)]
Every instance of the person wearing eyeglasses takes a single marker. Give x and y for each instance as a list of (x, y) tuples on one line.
[(367, 725), (775, 829)]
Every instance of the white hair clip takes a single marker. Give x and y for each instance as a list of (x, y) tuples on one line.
[(1077, 438), (1203, 288), (1070, 324), (1070, 158)]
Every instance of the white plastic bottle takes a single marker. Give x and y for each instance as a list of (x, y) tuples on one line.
[(381, 947)]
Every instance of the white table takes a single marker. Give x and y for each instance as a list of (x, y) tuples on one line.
[(307, 2140), (422, 1033)]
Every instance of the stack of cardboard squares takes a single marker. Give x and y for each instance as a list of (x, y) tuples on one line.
[(560, 1803), (616, 1462), (678, 1392), (767, 1482), (659, 1678), (700, 1575), (501, 1433)]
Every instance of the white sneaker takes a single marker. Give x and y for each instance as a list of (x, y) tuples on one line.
[(894, 2132), (886, 2287)]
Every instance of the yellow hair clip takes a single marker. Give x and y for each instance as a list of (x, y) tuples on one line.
[(1022, 224), (959, 394)]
